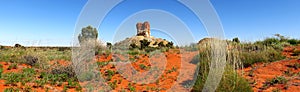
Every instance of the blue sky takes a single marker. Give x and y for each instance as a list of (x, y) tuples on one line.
[(52, 22)]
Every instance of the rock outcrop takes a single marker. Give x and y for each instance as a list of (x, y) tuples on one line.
[(143, 33), (143, 29)]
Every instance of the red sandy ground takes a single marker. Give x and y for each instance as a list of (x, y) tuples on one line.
[(262, 72), (38, 89), (173, 59)]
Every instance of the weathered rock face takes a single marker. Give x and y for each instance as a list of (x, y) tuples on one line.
[(143, 33), (143, 29)]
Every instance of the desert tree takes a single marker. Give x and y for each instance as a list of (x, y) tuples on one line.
[(109, 45), (281, 38), (236, 40), (88, 34)]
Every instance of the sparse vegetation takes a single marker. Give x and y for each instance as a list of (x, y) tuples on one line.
[(131, 88), (37, 66), (296, 52), (143, 67), (276, 80)]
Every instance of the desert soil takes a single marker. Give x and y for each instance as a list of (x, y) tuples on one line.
[(176, 64), (259, 73)]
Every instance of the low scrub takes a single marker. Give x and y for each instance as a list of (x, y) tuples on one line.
[(266, 55), (274, 81)]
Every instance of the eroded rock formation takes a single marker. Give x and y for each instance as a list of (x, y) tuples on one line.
[(143, 29)]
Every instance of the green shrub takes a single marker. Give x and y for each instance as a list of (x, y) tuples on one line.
[(12, 78), (1, 71), (133, 46), (113, 85), (293, 41), (40, 83), (276, 80), (13, 55), (73, 84), (270, 41), (12, 66), (28, 72), (170, 45), (149, 49), (102, 64), (109, 74), (161, 44), (131, 88), (142, 66), (236, 40), (11, 90)]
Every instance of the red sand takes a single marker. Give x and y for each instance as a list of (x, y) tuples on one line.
[(165, 81), (262, 72)]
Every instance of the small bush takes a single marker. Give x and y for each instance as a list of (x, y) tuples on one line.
[(12, 78), (170, 45), (1, 71), (64, 70), (113, 85), (109, 74), (11, 90), (102, 64), (12, 66), (142, 66), (236, 40), (73, 84), (150, 49), (18, 45), (30, 60), (270, 41), (131, 88), (293, 41), (277, 80)]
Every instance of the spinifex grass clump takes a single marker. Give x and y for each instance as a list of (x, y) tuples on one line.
[(210, 60)]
